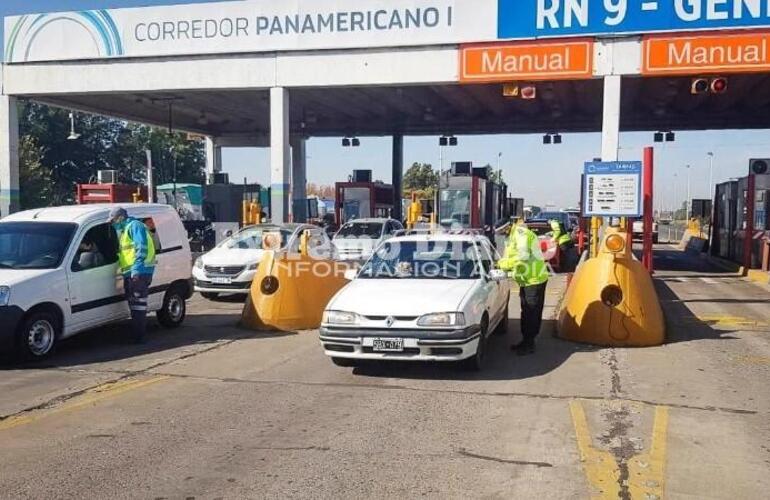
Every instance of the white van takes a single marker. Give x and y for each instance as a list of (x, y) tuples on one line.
[(59, 274)]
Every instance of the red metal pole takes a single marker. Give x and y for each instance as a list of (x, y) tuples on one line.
[(649, 168), (748, 235)]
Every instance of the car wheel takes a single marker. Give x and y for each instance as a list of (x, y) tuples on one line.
[(476, 362), (502, 327), (344, 362), (174, 309), (37, 335), (209, 295)]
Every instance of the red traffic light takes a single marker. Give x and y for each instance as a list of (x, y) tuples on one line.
[(719, 85)]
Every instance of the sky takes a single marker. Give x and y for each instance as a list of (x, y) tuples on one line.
[(541, 174)]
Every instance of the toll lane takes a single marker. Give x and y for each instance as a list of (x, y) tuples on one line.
[(234, 414)]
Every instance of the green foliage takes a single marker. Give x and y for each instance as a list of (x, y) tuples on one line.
[(52, 165), (420, 177)]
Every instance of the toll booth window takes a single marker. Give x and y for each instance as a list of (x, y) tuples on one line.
[(357, 203), (97, 248), (455, 207), (150, 223), (34, 245)]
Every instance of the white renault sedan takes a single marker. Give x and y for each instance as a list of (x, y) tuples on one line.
[(420, 298)]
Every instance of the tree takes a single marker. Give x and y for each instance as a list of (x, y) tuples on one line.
[(493, 175), (52, 165), (420, 177)]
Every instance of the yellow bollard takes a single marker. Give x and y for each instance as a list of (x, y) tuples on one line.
[(595, 225), (245, 213), (290, 292), (611, 300)]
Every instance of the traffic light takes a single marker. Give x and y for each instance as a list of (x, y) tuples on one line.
[(759, 166), (699, 86), (717, 85)]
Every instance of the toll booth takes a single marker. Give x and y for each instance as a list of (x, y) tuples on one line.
[(224, 202), (467, 198), (109, 193), (361, 200), (515, 207), (730, 227), (723, 234)]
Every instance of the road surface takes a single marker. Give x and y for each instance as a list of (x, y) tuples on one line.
[(212, 411)]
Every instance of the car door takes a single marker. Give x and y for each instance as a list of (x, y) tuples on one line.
[(95, 284), (498, 290)]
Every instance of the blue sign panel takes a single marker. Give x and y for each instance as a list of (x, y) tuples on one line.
[(613, 189), (557, 18)]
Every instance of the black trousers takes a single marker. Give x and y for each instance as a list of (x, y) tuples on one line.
[(532, 302), (137, 290), (569, 257)]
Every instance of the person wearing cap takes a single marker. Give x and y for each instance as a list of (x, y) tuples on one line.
[(136, 257), (524, 262)]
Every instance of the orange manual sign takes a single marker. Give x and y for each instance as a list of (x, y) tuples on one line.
[(699, 54), (505, 62)]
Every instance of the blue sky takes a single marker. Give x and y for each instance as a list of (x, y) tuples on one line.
[(541, 174)]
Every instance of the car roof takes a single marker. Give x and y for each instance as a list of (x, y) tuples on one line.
[(82, 213), (369, 220), (464, 237)]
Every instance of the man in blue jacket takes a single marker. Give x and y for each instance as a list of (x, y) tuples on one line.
[(136, 257)]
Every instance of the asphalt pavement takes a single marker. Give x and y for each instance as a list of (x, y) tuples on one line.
[(214, 411)]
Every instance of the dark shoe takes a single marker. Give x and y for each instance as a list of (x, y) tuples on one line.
[(524, 348)]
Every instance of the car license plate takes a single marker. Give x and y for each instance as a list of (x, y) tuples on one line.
[(221, 281), (388, 345)]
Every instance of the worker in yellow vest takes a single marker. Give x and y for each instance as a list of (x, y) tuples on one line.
[(136, 257), (524, 262), (567, 247)]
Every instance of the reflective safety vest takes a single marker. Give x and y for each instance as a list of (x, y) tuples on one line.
[(136, 243), (559, 236), (523, 260)]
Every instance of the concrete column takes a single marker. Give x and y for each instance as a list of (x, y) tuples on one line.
[(398, 175), (611, 120), (299, 179), (213, 158), (280, 154), (9, 156)]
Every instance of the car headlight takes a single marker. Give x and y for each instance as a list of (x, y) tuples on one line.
[(442, 319), (199, 263), (340, 318), (5, 295), (252, 267)]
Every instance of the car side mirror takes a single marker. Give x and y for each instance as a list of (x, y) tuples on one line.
[(350, 274), (498, 275)]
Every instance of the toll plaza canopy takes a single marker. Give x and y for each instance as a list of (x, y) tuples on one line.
[(269, 73)]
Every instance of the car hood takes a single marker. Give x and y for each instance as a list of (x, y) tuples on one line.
[(401, 297), (232, 257), (355, 243), (10, 277)]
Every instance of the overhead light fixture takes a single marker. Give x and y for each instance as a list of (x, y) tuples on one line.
[(346, 142), (73, 135), (355, 142), (453, 141), (547, 139), (658, 137), (557, 139), (670, 137)]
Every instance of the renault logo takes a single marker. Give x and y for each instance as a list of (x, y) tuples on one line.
[(389, 322), (222, 270)]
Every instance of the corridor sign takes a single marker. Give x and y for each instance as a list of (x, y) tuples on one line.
[(613, 189), (527, 19)]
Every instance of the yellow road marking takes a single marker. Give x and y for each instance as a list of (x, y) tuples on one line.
[(90, 397), (600, 466), (730, 321), (754, 360), (647, 471)]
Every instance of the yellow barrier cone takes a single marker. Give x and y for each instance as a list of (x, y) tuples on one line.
[(612, 300), (290, 292)]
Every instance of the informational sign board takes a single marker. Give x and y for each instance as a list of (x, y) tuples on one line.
[(712, 53), (247, 26), (613, 189), (510, 61), (527, 19)]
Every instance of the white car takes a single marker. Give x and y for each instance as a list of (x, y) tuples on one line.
[(230, 267), (419, 298), (59, 274), (357, 239), (638, 230)]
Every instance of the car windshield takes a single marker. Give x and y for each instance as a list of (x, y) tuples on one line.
[(552, 216), (359, 229), (251, 238), (423, 260), (34, 245)]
